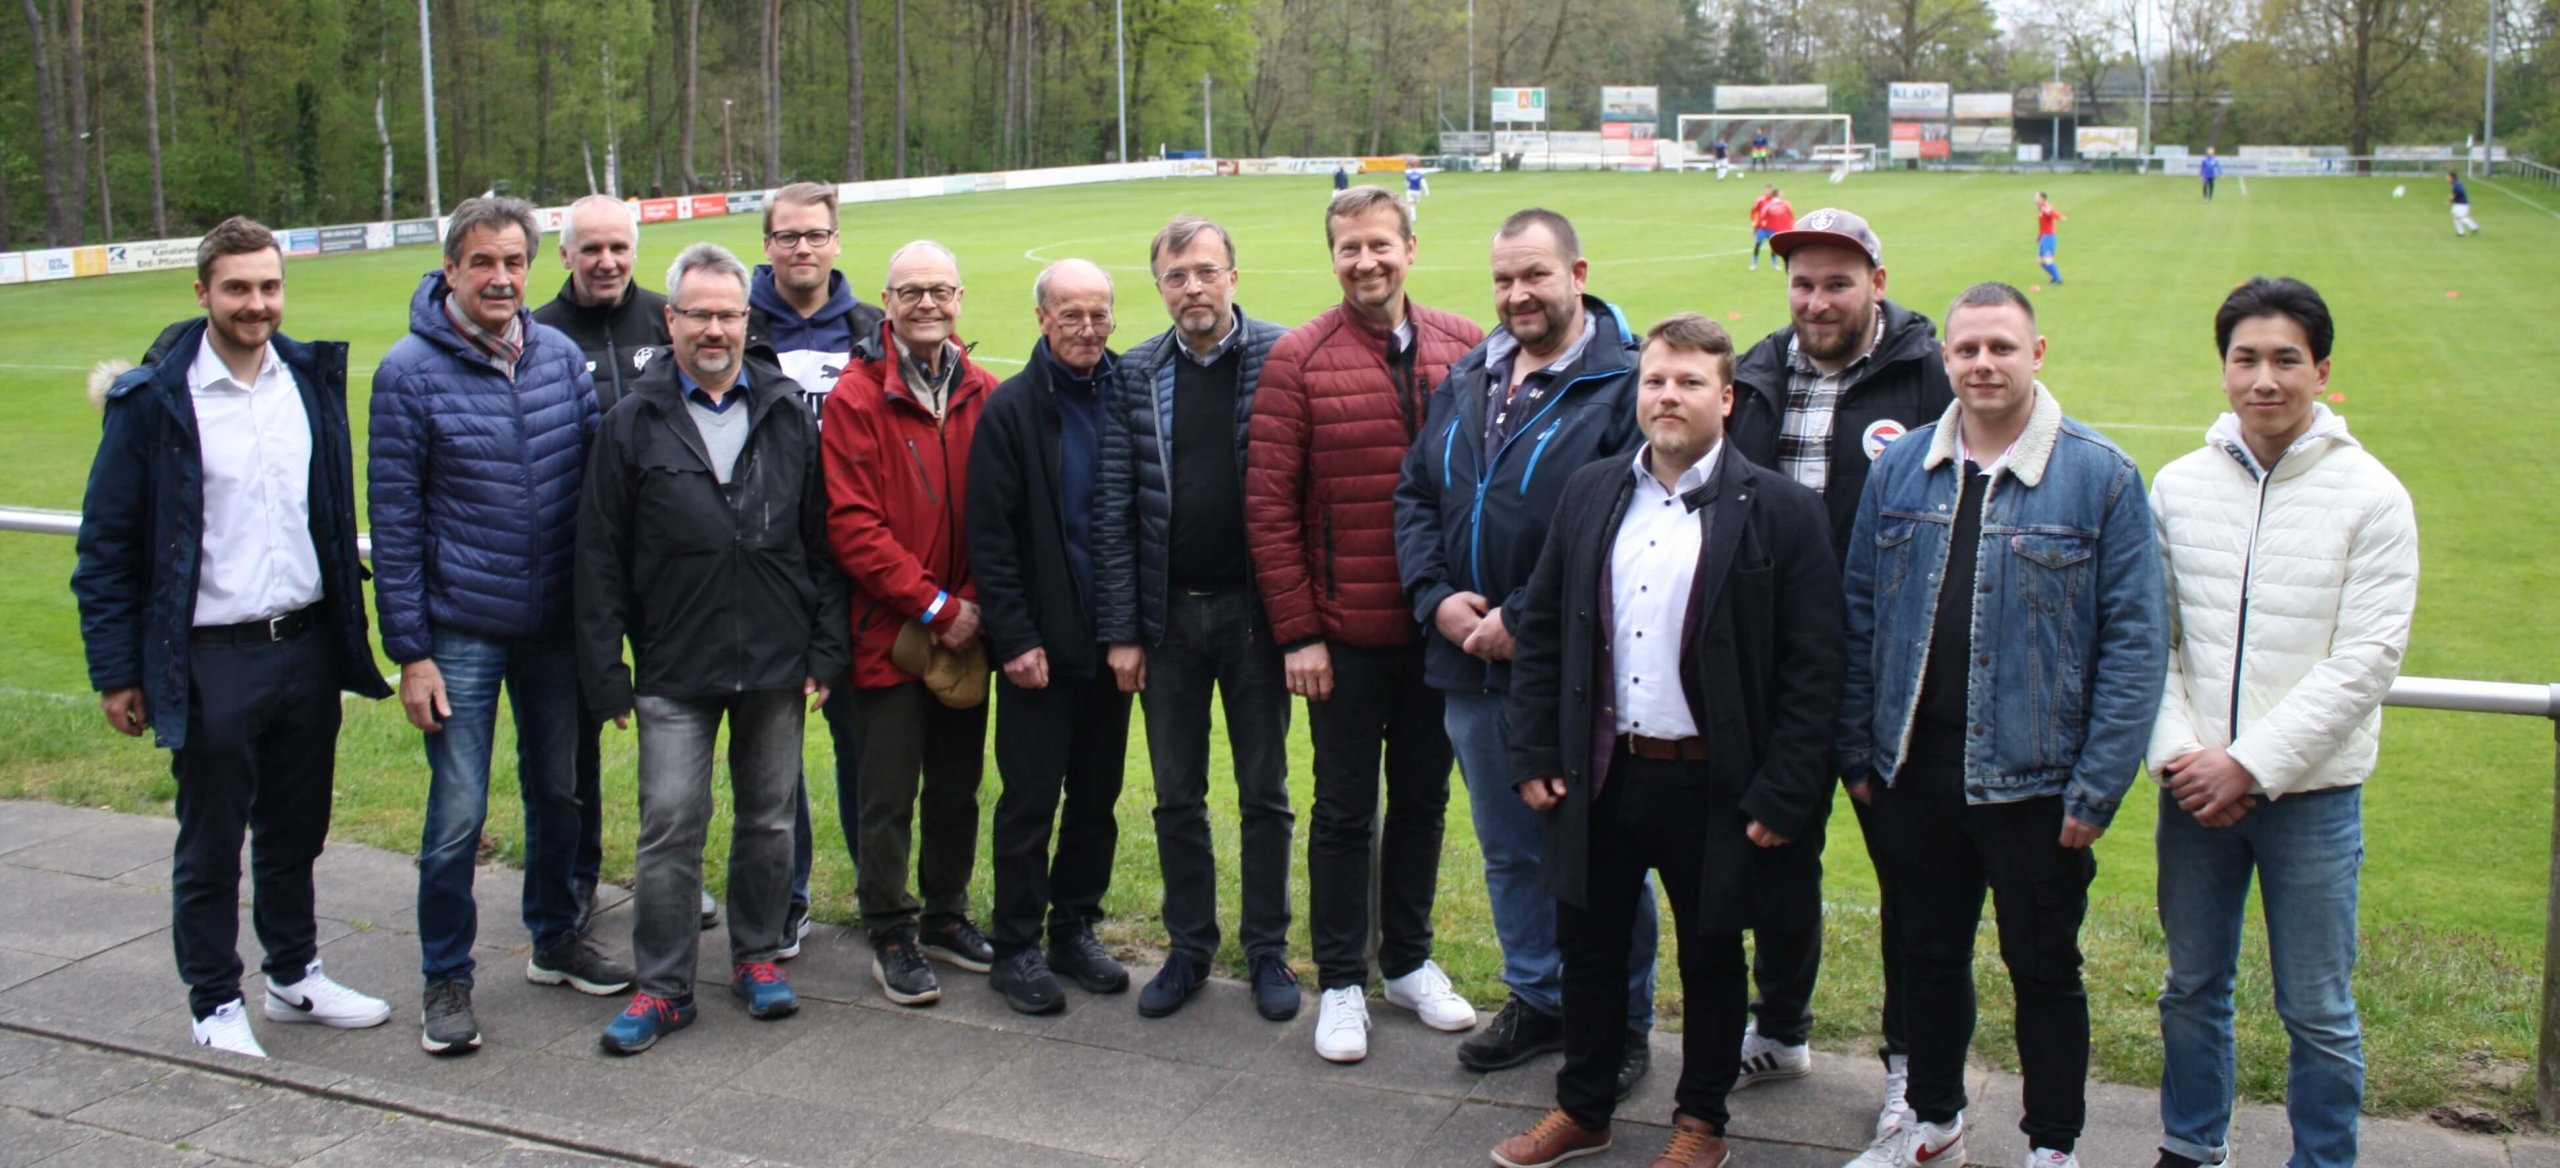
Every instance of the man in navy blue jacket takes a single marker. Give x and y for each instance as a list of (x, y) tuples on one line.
[(1552, 389), (480, 421), (221, 609)]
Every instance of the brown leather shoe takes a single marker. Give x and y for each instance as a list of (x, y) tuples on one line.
[(1693, 1145), (1554, 1139)]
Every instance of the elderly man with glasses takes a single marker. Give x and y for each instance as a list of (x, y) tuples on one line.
[(1178, 606), (897, 431)]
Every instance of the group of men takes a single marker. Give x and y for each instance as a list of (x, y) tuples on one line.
[(759, 491)]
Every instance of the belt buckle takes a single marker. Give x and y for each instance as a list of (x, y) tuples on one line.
[(275, 627)]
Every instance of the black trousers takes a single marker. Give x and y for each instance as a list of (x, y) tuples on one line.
[(260, 760), (921, 763), (1651, 816), (1785, 963), (1217, 645), (1381, 711), (1059, 755), (1945, 854)]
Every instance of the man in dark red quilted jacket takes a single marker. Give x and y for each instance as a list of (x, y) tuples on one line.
[(1341, 399)]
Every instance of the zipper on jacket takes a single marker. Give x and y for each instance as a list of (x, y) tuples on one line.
[(1484, 475), (2248, 565), (924, 474), (1332, 579), (1538, 451)]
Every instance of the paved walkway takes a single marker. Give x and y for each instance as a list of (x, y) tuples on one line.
[(96, 1068)]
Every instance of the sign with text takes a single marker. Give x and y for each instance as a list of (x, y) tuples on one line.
[(1772, 97), (2109, 141), (334, 240), (1520, 104), (1918, 99), (1630, 103), (1986, 106), (411, 231), (1466, 142)]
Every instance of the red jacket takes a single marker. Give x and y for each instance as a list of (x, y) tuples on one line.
[(1331, 421), (897, 484)]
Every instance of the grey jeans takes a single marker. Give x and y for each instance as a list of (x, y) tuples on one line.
[(676, 740)]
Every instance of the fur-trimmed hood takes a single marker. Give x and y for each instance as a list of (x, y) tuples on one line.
[(2027, 459)]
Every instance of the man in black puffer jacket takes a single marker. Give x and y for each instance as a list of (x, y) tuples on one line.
[(1818, 401)]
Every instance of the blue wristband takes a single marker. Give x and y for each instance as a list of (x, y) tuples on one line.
[(935, 609)]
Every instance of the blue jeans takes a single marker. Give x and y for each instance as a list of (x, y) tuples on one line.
[(540, 677), (2304, 851), (1513, 839)]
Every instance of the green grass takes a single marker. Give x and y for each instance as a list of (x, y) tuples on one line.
[(2445, 389)]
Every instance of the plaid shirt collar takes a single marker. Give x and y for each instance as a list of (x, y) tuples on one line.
[(505, 348), (1802, 365)]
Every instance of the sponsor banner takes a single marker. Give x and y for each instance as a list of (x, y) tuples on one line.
[(50, 264), (2415, 153), (377, 236), (551, 220), (1264, 166), (88, 261), (334, 240), (409, 231), (1520, 142), (2054, 98), (154, 255), (301, 241), (1466, 141), (995, 182), (1381, 165), (1226, 166), (1935, 140), (1904, 150), (963, 184), (1630, 103), (744, 202), (1772, 97), (13, 268), (1963, 139), (1986, 106), (1520, 104), (1205, 168), (1917, 99), (2274, 152), (706, 206), (658, 210), (1616, 132), (2030, 152), (1574, 142), (2109, 141)]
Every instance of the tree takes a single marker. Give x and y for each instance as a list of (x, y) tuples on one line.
[(692, 42), (75, 58), (853, 91), (772, 93), (2361, 52), (58, 230), (151, 121)]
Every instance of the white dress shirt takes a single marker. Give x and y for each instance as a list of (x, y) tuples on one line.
[(1651, 568), (257, 559)]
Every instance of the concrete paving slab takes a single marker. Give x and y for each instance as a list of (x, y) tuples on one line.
[(1834, 1107), (20, 1051), (2532, 1153), (722, 1044), (73, 916), (26, 822), (103, 850), (402, 1140), (26, 1137), (109, 1150), (623, 1094), (891, 1064), (1404, 1055), (1277, 1120), (71, 1080), (1099, 1102), (353, 883), (287, 1129), (805, 1135), (17, 966), (926, 1146), (173, 1106), (526, 1156), (1218, 1027), (118, 988)]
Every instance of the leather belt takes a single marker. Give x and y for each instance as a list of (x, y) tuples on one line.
[(1690, 749), (281, 628)]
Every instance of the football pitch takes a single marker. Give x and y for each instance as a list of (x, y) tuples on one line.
[(2439, 369)]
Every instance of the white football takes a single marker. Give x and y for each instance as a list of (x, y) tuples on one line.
[(2396, 192)]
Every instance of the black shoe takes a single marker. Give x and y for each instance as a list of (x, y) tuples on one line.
[(1639, 1060), (1173, 985), (795, 925), (954, 941), (1024, 979), (1275, 988), (899, 965), (1516, 1035), (445, 1016), (2169, 1159), (1079, 955), (578, 964)]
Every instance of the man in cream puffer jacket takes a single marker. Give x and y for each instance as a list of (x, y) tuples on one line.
[(2292, 560)]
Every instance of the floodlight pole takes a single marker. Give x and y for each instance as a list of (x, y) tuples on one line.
[(1471, 70), (2489, 110), (1120, 51), (427, 71), (1208, 139)]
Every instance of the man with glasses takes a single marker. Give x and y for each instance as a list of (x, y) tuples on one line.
[(804, 317), (710, 450), (897, 434), (1178, 606), (1062, 731)]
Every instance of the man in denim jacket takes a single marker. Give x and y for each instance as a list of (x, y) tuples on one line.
[(2006, 631)]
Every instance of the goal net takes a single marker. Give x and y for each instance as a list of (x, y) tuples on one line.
[(1795, 140)]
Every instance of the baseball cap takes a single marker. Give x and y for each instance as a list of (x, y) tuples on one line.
[(1834, 227)]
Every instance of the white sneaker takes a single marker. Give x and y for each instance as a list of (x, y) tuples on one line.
[(1767, 1061), (1916, 1145), (1426, 992), (228, 1030), (1342, 1025), (1896, 1110), (2048, 1158), (317, 999)]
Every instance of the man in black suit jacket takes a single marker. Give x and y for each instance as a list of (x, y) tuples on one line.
[(1678, 669)]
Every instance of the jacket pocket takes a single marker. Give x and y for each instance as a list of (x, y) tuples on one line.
[(924, 476), (1894, 552), (1332, 575)]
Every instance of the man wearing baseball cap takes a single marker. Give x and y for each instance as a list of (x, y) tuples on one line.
[(1819, 400)]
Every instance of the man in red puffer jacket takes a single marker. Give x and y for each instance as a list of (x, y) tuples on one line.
[(1340, 401)]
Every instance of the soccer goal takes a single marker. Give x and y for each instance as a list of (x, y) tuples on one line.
[(1795, 140)]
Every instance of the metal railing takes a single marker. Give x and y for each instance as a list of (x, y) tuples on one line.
[(2417, 693), (2526, 169)]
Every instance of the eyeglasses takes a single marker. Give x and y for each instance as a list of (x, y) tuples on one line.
[(1078, 322), (1177, 279), (913, 294), (725, 317), (791, 240)]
